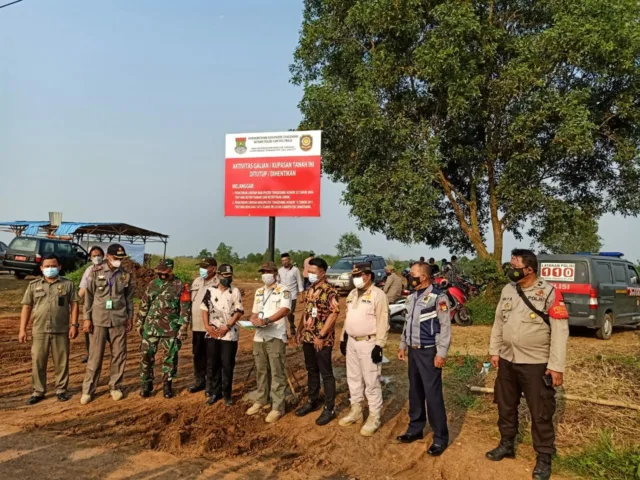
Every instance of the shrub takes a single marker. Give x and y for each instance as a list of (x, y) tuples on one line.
[(482, 309)]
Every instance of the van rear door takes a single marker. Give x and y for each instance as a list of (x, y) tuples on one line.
[(571, 278)]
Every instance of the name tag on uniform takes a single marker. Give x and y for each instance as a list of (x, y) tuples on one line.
[(109, 304), (314, 312)]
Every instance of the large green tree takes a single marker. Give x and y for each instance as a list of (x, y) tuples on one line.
[(349, 245), (452, 122)]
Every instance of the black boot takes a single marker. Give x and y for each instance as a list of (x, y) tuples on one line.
[(147, 388), (168, 391), (543, 467), (506, 449), (198, 387)]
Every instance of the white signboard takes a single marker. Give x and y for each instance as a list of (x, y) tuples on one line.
[(558, 272)]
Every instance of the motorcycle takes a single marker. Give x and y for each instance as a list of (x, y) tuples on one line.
[(457, 299), (398, 311)]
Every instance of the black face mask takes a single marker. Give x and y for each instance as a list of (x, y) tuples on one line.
[(225, 282), (515, 274), (415, 281)]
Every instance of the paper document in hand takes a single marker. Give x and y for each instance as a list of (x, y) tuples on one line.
[(246, 324)]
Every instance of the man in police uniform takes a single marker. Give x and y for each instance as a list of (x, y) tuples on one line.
[(272, 304), (162, 322), (108, 317), (392, 284), (529, 348), (208, 278), (49, 301), (363, 337), (427, 336)]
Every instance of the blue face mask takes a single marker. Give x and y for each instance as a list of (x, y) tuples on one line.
[(51, 272), (204, 273)]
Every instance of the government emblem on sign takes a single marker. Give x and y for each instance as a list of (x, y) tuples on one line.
[(306, 142), (241, 145)]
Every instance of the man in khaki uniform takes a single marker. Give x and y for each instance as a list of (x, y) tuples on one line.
[(529, 348), (50, 301), (392, 285), (363, 337), (108, 317)]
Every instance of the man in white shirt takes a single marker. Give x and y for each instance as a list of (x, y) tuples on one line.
[(208, 278), (221, 309), (271, 306), (291, 278)]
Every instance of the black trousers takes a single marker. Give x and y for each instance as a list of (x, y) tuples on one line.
[(515, 379), (292, 316), (319, 363), (199, 357), (426, 400), (221, 360)]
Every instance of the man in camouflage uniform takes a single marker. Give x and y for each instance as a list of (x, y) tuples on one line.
[(163, 319)]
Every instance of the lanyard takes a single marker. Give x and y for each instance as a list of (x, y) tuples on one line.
[(264, 302), (112, 280)]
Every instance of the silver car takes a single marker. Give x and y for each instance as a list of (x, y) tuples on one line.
[(339, 274)]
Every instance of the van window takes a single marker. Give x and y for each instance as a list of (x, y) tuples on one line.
[(618, 273), (24, 244), (48, 247), (603, 272), (378, 264), (64, 247), (633, 275)]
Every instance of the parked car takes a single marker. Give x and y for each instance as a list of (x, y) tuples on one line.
[(24, 255), (600, 290), (3, 248), (339, 275)]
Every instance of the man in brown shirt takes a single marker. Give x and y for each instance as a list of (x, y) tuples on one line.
[(528, 346), (317, 332), (108, 317), (50, 301)]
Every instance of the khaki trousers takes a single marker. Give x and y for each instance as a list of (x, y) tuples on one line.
[(363, 376), (269, 358), (117, 338), (58, 344)]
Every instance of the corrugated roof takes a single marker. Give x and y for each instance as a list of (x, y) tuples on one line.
[(85, 228)]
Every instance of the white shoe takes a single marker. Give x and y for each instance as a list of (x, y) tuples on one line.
[(354, 416), (267, 406), (372, 425), (273, 416), (117, 395), (255, 408), (85, 399)]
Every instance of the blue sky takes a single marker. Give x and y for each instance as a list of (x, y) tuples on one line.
[(117, 111)]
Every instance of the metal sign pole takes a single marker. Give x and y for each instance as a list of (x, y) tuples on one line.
[(272, 239)]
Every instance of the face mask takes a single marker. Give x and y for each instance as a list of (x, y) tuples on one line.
[(116, 263), (268, 279), (515, 274), (358, 282), (51, 272), (313, 277), (225, 282), (415, 281), (204, 273), (97, 260)]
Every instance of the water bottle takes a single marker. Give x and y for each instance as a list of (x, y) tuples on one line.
[(485, 368)]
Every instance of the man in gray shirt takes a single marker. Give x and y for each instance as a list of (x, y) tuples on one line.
[(291, 278)]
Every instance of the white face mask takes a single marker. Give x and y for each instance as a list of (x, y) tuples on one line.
[(268, 278), (313, 277), (97, 260), (116, 263), (358, 282)]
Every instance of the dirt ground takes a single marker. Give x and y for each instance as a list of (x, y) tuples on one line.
[(185, 438)]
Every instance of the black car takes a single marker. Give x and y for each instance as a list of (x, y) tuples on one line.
[(24, 255)]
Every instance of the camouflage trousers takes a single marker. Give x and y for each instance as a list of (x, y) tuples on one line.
[(149, 347)]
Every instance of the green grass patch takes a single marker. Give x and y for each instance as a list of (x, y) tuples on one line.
[(482, 309), (459, 371), (603, 461)]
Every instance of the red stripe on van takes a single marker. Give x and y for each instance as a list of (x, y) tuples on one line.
[(575, 288)]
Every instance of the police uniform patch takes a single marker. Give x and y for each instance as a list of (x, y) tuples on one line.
[(287, 294), (539, 293), (443, 306), (507, 306)]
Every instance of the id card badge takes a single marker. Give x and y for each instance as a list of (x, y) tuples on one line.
[(314, 312), (109, 304), (261, 315)]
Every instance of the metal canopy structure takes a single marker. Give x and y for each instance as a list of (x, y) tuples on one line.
[(86, 231)]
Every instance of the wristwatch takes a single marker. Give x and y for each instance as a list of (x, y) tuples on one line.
[(77, 325), (266, 321), (322, 337)]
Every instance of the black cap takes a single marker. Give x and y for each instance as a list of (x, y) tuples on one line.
[(225, 269), (208, 262), (117, 251), (360, 268)]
